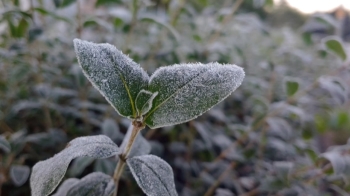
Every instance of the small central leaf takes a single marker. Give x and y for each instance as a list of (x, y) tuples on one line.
[(144, 101), (186, 91), (115, 75)]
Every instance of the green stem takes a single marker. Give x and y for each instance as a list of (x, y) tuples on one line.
[(135, 128)]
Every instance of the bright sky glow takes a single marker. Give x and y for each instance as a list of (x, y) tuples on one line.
[(311, 6)]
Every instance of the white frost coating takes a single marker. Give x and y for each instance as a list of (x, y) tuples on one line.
[(115, 75), (153, 175), (66, 186), (19, 174), (188, 90), (94, 184), (144, 101), (47, 174)]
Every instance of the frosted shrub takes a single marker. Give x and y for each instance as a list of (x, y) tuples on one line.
[(172, 95)]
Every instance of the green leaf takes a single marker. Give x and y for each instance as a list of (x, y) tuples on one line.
[(22, 27), (52, 14), (186, 91), (106, 2), (153, 175), (291, 86), (66, 3), (333, 44), (144, 101), (96, 183), (4, 144), (115, 75), (46, 175), (155, 19)]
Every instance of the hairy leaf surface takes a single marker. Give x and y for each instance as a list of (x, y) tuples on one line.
[(47, 174), (66, 186), (186, 91), (153, 175), (94, 184), (115, 75)]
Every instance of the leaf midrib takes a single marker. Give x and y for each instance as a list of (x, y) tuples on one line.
[(155, 173), (125, 85), (179, 89)]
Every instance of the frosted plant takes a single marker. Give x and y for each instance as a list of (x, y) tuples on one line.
[(172, 95)]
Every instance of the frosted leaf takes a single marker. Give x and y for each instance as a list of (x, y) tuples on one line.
[(66, 186), (94, 184), (144, 101), (19, 174), (186, 91), (115, 75), (153, 175), (47, 174), (4, 144)]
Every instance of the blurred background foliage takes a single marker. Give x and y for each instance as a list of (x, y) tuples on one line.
[(283, 132)]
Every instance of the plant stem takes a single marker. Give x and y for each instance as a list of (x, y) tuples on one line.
[(135, 128)]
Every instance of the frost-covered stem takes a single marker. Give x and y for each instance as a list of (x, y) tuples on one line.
[(135, 129)]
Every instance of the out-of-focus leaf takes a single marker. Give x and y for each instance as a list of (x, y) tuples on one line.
[(111, 129), (48, 13), (66, 3), (106, 166), (22, 27), (279, 127), (47, 174), (291, 86), (340, 161), (153, 175), (94, 184), (79, 164), (336, 46), (105, 2), (19, 174), (4, 144), (140, 147), (155, 19), (336, 88)]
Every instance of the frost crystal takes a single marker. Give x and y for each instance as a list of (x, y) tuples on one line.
[(153, 175), (115, 75), (186, 91), (47, 174)]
